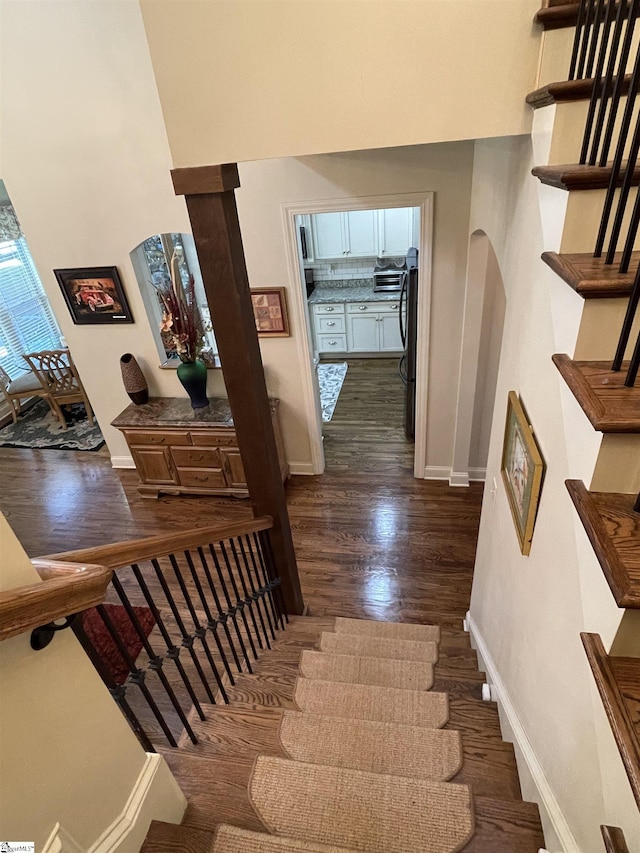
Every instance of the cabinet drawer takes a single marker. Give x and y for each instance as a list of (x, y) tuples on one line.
[(196, 457), (365, 307), (202, 478), (335, 308), (151, 439), (332, 343), (214, 439), (331, 325)]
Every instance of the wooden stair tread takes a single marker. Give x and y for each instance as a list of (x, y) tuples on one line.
[(505, 827), (613, 529), (591, 277), (618, 682), (563, 91), (574, 176), (602, 394), (614, 840), (557, 14), (176, 838)]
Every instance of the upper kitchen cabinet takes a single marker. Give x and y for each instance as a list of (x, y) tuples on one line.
[(397, 231), (364, 233)]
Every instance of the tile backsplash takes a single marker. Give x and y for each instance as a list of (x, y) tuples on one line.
[(342, 270)]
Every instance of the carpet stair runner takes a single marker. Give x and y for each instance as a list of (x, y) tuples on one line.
[(352, 735)]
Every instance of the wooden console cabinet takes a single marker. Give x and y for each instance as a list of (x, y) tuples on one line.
[(179, 450)]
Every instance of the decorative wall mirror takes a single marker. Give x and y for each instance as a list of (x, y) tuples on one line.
[(151, 262)]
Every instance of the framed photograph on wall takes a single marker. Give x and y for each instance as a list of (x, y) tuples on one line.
[(522, 471), (94, 295), (270, 312)]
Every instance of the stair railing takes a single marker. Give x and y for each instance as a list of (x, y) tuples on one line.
[(183, 614)]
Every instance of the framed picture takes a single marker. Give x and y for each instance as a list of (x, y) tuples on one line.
[(94, 295), (522, 471), (270, 312)]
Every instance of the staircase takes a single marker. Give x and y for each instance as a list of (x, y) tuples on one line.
[(352, 735)]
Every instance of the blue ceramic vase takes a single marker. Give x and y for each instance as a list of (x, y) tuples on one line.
[(193, 375)]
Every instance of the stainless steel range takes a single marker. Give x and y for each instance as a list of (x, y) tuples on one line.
[(389, 274)]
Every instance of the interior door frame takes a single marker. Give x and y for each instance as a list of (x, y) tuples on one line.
[(298, 309)]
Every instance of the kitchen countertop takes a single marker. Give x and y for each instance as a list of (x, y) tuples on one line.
[(357, 293)]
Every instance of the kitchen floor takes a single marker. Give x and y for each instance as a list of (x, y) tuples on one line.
[(366, 433)]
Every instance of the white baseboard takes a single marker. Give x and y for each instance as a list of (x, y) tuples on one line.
[(122, 462), (459, 478), (155, 796), (547, 800), (433, 472), (61, 842), (455, 478), (477, 475), (302, 468)]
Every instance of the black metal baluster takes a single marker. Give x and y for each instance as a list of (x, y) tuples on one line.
[(600, 86), (173, 651), (627, 182), (137, 675), (264, 577), (117, 691), (258, 595), (212, 622), (631, 13), (239, 601), (588, 21), (187, 639), (156, 661), (200, 632), (607, 84), (632, 233), (273, 571), (230, 613), (598, 35), (577, 38), (627, 324), (247, 594), (634, 364)]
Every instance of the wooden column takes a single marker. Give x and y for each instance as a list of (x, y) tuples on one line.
[(211, 203)]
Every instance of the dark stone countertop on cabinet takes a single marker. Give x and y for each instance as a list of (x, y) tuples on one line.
[(357, 293), (177, 412)]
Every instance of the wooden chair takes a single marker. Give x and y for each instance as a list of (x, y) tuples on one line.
[(14, 390), (59, 378)]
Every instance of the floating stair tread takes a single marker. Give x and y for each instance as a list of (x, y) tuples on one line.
[(566, 90), (613, 529), (387, 630), (574, 176), (591, 277), (614, 840), (391, 748), (381, 704), (231, 839), (355, 809), (557, 14), (377, 647), (618, 682), (602, 394), (383, 672)]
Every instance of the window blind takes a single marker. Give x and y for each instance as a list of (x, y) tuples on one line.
[(27, 323)]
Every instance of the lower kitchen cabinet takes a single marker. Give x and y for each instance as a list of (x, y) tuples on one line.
[(357, 327), (178, 450)]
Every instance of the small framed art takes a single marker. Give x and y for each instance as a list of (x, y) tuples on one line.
[(522, 471), (94, 295), (270, 312)]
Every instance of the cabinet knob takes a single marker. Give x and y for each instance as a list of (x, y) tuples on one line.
[(332, 343), (328, 309), (332, 323), (363, 308), (393, 306)]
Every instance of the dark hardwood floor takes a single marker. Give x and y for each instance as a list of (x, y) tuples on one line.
[(371, 540)]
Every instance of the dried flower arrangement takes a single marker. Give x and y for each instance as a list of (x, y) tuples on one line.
[(182, 328)]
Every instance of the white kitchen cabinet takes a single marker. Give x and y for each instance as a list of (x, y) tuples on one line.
[(363, 335), (361, 231), (396, 231), (373, 327), (389, 329), (328, 235)]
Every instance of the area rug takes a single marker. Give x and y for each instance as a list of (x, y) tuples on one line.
[(38, 428), (104, 644), (330, 379)]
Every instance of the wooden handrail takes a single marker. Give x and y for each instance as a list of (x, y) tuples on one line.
[(614, 841), (136, 550), (66, 588)]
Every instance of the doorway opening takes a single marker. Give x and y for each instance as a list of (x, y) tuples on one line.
[(360, 271)]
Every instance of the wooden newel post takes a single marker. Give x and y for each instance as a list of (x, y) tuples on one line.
[(211, 203)]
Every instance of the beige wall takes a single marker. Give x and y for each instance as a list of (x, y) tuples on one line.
[(86, 162), (444, 169), (255, 79), (528, 611), (66, 753)]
